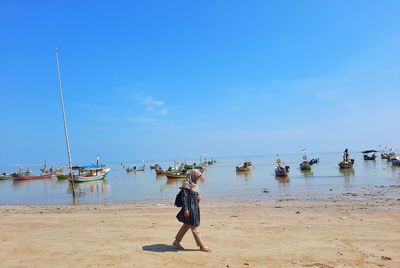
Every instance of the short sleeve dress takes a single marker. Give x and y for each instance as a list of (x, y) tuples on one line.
[(190, 201)]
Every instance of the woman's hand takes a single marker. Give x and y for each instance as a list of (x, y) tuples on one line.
[(199, 198), (186, 213)]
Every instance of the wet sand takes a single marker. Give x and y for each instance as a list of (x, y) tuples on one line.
[(284, 233)]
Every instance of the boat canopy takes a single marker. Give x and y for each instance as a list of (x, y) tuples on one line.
[(89, 167)]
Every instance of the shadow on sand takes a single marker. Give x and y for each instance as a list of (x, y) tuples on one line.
[(163, 248)]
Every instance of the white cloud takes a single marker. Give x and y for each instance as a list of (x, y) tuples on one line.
[(151, 104)]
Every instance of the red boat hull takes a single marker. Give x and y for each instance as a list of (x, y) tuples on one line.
[(24, 178), (281, 174)]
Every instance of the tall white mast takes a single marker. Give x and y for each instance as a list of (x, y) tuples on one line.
[(65, 126)]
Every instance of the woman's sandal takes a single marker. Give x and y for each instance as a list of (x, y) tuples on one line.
[(205, 249), (177, 245)]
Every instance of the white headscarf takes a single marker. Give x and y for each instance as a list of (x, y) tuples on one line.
[(192, 177)]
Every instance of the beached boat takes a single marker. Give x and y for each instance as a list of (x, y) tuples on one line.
[(246, 166), (176, 174)]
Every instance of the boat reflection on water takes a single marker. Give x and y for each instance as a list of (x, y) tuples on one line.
[(307, 173), (93, 189), (347, 172), (244, 175), (174, 182), (18, 184), (160, 177), (283, 181)]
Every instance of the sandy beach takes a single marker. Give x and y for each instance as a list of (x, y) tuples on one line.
[(283, 233)]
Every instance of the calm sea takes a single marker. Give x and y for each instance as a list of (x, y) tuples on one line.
[(221, 183)]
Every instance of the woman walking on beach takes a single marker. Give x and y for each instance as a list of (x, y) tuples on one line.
[(189, 214)]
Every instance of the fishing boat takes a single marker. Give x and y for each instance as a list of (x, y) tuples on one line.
[(305, 165), (387, 155), (313, 161), (154, 166), (346, 164), (5, 176), (134, 168), (395, 161), (62, 177), (17, 177), (280, 170), (211, 162), (91, 174), (195, 166), (367, 156), (159, 171), (246, 166), (175, 174)]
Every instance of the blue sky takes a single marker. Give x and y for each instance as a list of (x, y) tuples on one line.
[(172, 79)]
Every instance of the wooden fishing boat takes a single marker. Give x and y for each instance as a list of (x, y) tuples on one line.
[(246, 166), (134, 168), (5, 176), (395, 161), (92, 174), (387, 155), (346, 164), (194, 166), (159, 171), (176, 174), (62, 177), (281, 171), (369, 157), (46, 174), (18, 177), (305, 165), (154, 166)]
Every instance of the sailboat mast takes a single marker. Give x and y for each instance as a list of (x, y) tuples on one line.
[(65, 126)]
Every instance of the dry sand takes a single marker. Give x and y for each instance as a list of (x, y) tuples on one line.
[(346, 233)]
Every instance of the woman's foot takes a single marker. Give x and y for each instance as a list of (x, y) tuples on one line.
[(177, 245), (205, 249)]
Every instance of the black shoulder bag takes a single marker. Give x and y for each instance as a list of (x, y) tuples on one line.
[(178, 199)]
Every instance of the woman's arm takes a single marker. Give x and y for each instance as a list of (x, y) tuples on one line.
[(185, 202)]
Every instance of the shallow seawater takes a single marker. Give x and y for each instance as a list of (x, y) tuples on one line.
[(221, 183)]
